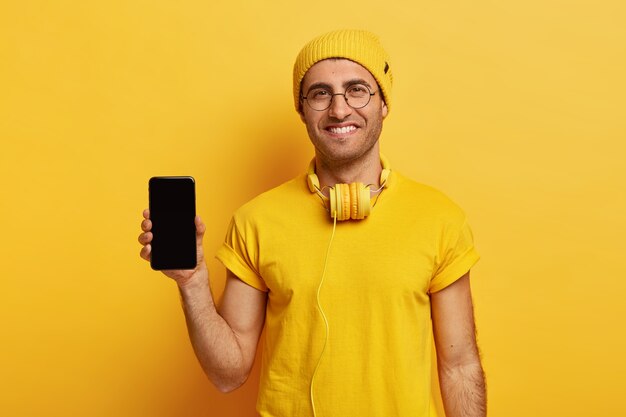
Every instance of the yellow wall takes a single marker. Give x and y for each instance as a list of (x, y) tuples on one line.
[(515, 109)]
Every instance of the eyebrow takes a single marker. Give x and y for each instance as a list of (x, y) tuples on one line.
[(346, 84)]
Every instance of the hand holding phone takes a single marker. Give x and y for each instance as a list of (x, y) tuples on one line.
[(172, 233), (181, 276)]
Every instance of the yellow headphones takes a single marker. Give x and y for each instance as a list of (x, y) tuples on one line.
[(348, 201)]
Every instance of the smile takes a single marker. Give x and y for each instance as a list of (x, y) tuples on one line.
[(342, 130)]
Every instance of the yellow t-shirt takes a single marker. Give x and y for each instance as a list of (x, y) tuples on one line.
[(375, 296)]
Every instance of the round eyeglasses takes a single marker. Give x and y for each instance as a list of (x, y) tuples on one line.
[(357, 96)]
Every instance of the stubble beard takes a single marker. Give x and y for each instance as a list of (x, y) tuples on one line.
[(340, 151)]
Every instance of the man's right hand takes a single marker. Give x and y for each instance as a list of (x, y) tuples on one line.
[(181, 276)]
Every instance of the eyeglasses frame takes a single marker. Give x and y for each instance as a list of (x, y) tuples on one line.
[(332, 97)]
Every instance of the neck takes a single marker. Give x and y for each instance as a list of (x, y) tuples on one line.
[(365, 169)]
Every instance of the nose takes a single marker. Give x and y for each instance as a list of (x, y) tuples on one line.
[(339, 108)]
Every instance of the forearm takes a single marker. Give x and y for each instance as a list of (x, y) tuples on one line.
[(463, 389), (213, 340)]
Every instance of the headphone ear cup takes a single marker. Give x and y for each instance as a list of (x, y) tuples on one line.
[(339, 202), (364, 202), (338, 190), (360, 203), (333, 202), (345, 201), (350, 201), (354, 200)]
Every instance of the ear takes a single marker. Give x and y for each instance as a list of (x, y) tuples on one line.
[(384, 109), (301, 113)]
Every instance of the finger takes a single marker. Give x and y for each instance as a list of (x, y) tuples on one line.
[(200, 229), (146, 214), (146, 225), (145, 238), (145, 252)]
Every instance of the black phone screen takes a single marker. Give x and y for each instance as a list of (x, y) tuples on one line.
[(173, 212)]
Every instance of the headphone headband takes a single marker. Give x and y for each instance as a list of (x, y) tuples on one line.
[(314, 183)]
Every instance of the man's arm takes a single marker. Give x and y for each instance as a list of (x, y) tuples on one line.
[(460, 373), (225, 341)]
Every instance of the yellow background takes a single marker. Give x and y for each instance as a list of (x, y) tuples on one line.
[(515, 109)]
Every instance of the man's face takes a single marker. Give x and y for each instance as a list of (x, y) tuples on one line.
[(341, 133)]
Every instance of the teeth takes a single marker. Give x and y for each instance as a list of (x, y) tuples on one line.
[(344, 129)]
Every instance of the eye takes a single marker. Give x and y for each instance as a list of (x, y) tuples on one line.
[(358, 90), (318, 94)]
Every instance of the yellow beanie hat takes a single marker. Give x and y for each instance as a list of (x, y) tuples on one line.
[(359, 46)]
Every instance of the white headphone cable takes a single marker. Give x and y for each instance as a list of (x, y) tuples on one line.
[(319, 307)]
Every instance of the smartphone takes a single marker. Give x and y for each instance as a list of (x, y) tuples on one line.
[(173, 213)]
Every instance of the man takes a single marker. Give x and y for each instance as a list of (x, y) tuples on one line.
[(347, 305)]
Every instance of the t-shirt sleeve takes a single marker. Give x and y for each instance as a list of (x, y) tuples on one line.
[(457, 255), (239, 253)]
